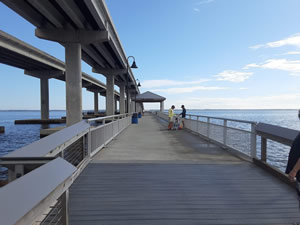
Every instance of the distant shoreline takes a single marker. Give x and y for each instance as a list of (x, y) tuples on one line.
[(63, 110)]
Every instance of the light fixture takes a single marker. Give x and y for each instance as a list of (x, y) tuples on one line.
[(134, 66)]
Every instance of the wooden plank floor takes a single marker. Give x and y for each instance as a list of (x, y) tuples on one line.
[(151, 191)]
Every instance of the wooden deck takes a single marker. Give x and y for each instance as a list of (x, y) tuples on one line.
[(149, 175)]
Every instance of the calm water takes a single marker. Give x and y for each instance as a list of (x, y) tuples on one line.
[(277, 154), (17, 136)]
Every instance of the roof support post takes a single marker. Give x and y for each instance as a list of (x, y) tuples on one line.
[(96, 103), (110, 102), (162, 106), (122, 99), (44, 98), (73, 83)]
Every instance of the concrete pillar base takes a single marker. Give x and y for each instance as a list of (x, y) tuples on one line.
[(44, 98), (96, 103), (73, 83), (110, 95)]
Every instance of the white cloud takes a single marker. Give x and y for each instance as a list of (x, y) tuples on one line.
[(291, 66), (292, 53), (286, 101), (293, 40), (168, 83), (256, 47), (187, 89), (252, 65), (201, 2), (234, 76)]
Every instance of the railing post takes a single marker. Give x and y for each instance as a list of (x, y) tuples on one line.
[(89, 140), (263, 149), (208, 126), (16, 172), (19, 171), (224, 131), (65, 208), (253, 141), (197, 124)]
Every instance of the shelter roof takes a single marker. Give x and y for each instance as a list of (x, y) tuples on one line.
[(149, 97)]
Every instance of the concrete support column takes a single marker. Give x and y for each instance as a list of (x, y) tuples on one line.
[(128, 101), (110, 96), (132, 105), (116, 104), (44, 98), (122, 99), (73, 83), (162, 106), (96, 103)]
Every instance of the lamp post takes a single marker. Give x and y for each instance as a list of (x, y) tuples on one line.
[(139, 85), (133, 66)]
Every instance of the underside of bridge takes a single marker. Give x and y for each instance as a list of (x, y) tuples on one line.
[(87, 32)]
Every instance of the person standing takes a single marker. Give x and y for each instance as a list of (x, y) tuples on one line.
[(293, 165), (171, 117), (183, 114)]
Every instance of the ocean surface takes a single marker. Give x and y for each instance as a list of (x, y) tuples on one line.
[(17, 136)]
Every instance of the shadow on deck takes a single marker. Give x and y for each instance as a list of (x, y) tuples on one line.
[(149, 175)]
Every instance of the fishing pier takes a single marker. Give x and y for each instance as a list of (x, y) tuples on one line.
[(109, 170), (123, 173)]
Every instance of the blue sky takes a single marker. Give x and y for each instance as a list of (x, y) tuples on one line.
[(204, 54)]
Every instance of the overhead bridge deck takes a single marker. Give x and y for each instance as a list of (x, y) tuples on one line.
[(148, 175)]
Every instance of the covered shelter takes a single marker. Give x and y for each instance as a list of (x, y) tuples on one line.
[(151, 97)]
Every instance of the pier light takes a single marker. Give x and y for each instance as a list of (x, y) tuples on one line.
[(139, 85), (133, 66)]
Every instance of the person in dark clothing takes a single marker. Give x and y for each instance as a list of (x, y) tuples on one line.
[(293, 165), (183, 113)]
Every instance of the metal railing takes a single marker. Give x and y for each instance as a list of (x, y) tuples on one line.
[(236, 135), (274, 138), (101, 135), (50, 166), (245, 138)]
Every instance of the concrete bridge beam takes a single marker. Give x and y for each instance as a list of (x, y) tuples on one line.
[(72, 36), (72, 40)]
